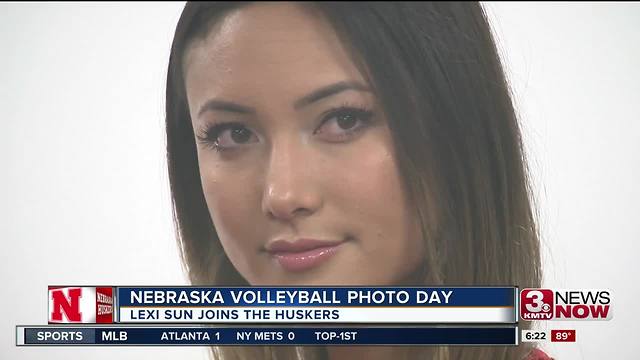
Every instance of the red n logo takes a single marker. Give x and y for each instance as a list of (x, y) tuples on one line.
[(69, 305)]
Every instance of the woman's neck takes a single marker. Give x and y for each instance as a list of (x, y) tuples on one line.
[(414, 278), (365, 352)]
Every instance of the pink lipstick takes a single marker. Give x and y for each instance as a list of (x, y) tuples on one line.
[(303, 254)]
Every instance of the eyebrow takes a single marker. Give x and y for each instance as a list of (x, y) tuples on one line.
[(317, 95)]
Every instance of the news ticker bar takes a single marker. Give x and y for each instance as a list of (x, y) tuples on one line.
[(207, 336)]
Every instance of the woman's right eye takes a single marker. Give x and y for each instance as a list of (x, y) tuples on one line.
[(228, 136)]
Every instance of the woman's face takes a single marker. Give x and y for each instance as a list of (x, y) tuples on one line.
[(295, 155)]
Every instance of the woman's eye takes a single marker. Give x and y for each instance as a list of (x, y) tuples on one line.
[(228, 136), (339, 125)]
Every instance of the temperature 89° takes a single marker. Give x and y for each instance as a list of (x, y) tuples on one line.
[(336, 335)]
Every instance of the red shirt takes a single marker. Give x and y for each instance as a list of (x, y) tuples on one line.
[(537, 354)]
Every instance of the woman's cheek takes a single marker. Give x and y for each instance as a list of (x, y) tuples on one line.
[(371, 194), (371, 184), (232, 205)]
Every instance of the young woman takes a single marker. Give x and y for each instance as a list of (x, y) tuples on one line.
[(347, 144)]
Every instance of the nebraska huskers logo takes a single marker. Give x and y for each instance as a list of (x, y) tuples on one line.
[(80, 304)]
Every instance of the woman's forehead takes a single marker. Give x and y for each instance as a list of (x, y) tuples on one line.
[(264, 49)]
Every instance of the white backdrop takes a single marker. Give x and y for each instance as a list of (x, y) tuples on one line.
[(84, 196)]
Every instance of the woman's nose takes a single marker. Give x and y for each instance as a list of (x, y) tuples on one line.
[(290, 188)]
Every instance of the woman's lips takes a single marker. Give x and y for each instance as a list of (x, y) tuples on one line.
[(303, 254)]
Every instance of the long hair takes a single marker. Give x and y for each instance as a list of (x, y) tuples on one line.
[(435, 69)]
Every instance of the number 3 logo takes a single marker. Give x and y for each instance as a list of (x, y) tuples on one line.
[(536, 299), (536, 304)]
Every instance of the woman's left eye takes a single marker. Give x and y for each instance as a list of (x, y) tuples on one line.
[(341, 124)]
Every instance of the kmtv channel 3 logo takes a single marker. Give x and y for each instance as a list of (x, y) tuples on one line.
[(577, 304), (80, 304)]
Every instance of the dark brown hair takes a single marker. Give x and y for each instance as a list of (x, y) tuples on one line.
[(435, 69)]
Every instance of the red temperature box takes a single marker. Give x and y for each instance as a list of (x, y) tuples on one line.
[(563, 336)]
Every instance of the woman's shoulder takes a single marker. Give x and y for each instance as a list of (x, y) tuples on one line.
[(537, 354)]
